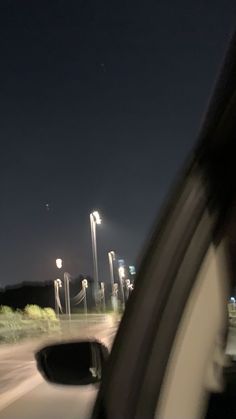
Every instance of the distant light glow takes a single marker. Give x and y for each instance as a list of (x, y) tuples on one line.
[(59, 263), (232, 299), (97, 217)]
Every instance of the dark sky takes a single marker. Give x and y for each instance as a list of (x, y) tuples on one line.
[(101, 102)]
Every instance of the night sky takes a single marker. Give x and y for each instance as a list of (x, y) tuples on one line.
[(101, 102)]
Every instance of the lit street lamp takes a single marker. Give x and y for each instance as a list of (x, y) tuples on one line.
[(95, 220), (59, 263), (57, 285)]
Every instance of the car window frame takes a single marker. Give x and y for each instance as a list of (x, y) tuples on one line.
[(184, 218)]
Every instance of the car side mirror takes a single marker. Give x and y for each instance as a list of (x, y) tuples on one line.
[(72, 363)]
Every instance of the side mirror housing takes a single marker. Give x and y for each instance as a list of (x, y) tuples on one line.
[(72, 363)]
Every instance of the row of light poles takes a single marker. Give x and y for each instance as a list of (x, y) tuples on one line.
[(95, 220)]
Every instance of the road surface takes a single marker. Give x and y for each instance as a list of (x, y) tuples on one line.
[(25, 394)]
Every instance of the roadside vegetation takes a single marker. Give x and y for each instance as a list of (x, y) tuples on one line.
[(33, 321)]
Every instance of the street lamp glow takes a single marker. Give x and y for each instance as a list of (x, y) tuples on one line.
[(85, 283), (97, 217), (59, 263), (112, 253), (59, 283)]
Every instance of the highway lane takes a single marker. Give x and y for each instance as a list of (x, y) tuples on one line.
[(25, 395)]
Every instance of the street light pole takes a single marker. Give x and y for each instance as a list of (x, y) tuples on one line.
[(55, 297), (94, 221), (57, 285), (121, 277), (111, 258), (85, 286), (67, 293), (103, 296), (115, 291)]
